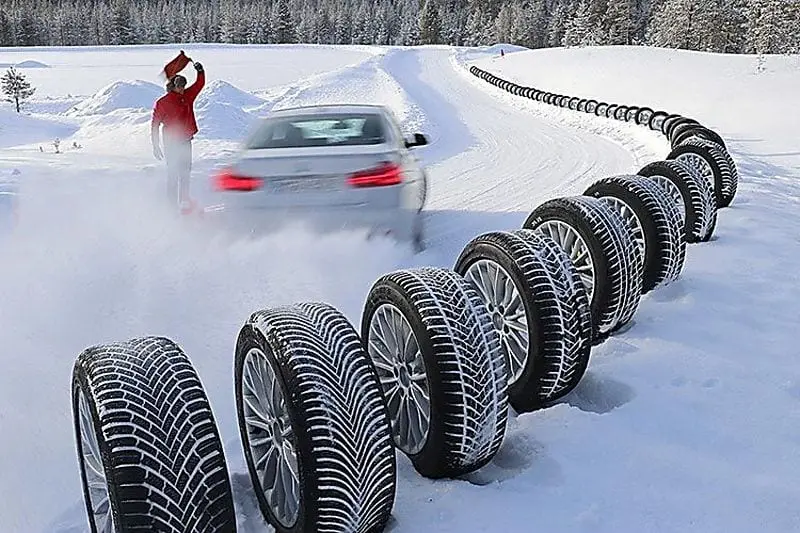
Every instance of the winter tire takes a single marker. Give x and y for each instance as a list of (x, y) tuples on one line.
[(442, 368), (581, 105), (149, 452), (655, 220), (591, 106), (692, 194), (643, 116), (611, 111), (656, 119), (668, 122), (604, 252), (620, 112), (540, 308), (730, 174), (698, 131), (712, 162), (573, 103), (678, 126), (312, 420), (601, 110), (631, 114)]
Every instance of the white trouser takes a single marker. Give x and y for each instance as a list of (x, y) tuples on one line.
[(178, 155)]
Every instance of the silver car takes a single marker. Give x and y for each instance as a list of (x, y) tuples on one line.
[(331, 166)]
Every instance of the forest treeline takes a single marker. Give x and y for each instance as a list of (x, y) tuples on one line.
[(727, 26)]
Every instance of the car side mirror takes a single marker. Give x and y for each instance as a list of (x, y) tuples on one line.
[(418, 140)]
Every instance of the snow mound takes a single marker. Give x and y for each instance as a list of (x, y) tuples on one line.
[(223, 121), (119, 95), (365, 83), (17, 129), (25, 64), (222, 92)]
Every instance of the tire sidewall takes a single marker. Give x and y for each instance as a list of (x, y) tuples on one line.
[(653, 248), (533, 369), (706, 154), (251, 337), (80, 382), (600, 294), (389, 292)]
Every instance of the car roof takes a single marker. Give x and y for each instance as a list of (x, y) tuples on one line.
[(324, 109)]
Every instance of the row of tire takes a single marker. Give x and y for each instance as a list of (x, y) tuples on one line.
[(438, 358), (686, 135)]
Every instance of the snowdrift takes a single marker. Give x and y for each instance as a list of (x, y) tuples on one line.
[(17, 129), (223, 121), (25, 64), (135, 94), (366, 83), (222, 92)]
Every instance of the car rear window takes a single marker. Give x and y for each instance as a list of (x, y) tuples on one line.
[(318, 130)]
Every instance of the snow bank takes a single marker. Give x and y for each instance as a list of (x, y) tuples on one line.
[(366, 83), (119, 95), (222, 92), (17, 129), (223, 121), (25, 64), (80, 70)]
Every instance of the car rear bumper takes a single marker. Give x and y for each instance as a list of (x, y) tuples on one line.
[(391, 222)]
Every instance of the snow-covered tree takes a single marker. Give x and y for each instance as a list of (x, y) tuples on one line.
[(619, 21), (430, 26), (16, 88), (673, 24), (716, 25), (583, 29)]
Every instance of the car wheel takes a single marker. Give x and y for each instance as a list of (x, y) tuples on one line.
[(149, 451), (540, 308), (604, 252), (441, 366), (313, 423)]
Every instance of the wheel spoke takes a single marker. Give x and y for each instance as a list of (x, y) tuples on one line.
[(409, 410), (503, 299), (92, 464), (573, 244), (630, 219), (270, 437)]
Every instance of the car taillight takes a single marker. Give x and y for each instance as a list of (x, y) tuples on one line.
[(228, 180), (380, 176)]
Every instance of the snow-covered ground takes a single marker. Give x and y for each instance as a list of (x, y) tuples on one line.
[(689, 421)]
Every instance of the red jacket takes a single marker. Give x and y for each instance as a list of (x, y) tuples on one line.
[(176, 111)]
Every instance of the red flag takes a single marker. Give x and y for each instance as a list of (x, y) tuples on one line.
[(176, 65)]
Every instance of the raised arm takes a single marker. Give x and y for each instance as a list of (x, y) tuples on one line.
[(194, 89)]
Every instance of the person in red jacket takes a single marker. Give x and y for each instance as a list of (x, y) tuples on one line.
[(175, 110)]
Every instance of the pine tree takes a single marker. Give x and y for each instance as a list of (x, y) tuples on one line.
[(16, 88), (673, 25), (557, 26), (619, 22), (5, 29), (429, 23)]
